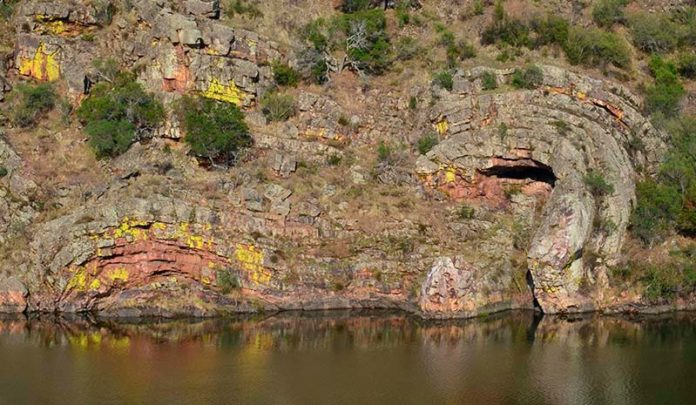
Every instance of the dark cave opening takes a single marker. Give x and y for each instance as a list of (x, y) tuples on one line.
[(536, 172)]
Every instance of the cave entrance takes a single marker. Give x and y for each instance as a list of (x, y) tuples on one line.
[(522, 170)]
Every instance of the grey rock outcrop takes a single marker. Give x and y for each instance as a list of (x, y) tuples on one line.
[(553, 136)]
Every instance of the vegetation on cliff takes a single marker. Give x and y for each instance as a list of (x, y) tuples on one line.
[(118, 112)]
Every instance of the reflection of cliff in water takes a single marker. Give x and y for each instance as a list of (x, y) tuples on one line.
[(349, 329)]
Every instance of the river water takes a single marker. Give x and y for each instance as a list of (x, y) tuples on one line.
[(350, 358)]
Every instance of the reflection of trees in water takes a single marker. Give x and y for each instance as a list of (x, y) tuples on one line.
[(338, 331)]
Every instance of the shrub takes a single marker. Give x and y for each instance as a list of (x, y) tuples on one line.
[(3, 171), (284, 75), (686, 65), (666, 94), (214, 130), (661, 283), (366, 40), (594, 47), (351, 6), (110, 138), (117, 113), (277, 106), (426, 143), (384, 152), (653, 33), (459, 51), (529, 78), (227, 281), (477, 8), (407, 48), (489, 81), (35, 103), (550, 30), (466, 212), (505, 29), (606, 13), (597, 184), (444, 79), (313, 66), (242, 8)]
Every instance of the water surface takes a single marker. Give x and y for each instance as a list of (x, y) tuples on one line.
[(349, 358)]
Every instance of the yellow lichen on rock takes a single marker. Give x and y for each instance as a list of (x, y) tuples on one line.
[(131, 228), (442, 127), (78, 281), (251, 260), (450, 174), (43, 66), (119, 274), (229, 93), (193, 241), (95, 284)]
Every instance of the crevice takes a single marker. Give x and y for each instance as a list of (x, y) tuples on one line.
[(530, 283), (525, 170)]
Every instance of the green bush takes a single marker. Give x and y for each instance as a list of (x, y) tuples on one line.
[(686, 65), (214, 130), (594, 47), (530, 78), (3, 171), (666, 93), (242, 8), (657, 208), (444, 79), (505, 29), (110, 138), (669, 202), (407, 48), (351, 6), (661, 283), (366, 40), (35, 103), (278, 106), (117, 113), (489, 81), (606, 13), (466, 212), (477, 8), (226, 281), (597, 184), (550, 30), (384, 152), (653, 32), (284, 75), (426, 143)]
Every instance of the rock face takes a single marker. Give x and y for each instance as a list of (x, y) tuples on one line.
[(542, 140), (190, 52), (498, 216)]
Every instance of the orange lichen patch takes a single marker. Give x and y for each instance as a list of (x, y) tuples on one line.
[(42, 66), (571, 91), (182, 74)]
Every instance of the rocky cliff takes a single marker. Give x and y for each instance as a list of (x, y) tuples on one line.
[(497, 216)]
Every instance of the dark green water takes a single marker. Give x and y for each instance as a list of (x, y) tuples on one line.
[(350, 358)]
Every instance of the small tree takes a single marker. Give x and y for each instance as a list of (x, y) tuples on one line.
[(117, 113), (35, 103), (529, 78), (215, 130)]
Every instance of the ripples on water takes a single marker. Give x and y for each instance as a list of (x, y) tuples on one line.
[(349, 358)]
